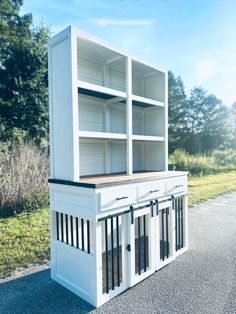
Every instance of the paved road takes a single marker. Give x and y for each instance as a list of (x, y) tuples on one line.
[(203, 280)]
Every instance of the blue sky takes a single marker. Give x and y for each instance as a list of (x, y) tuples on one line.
[(196, 39)]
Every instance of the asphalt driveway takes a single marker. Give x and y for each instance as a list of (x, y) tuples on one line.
[(203, 280)]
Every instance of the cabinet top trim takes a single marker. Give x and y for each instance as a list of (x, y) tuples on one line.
[(119, 179)]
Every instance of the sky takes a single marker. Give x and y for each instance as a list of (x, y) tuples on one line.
[(195, 39)]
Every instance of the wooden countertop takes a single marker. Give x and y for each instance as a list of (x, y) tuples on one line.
[(118, 179)]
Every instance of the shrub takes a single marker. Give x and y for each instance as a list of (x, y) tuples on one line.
[(24, 172), (217, 161)]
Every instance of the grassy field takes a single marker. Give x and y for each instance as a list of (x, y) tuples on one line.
[(25, 239)]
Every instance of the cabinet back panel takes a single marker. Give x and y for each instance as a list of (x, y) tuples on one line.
[(118, 118), (118, 157), (148, 156), (97, 156), (92, 158), (90, 71), (91, 114), (138, 122)]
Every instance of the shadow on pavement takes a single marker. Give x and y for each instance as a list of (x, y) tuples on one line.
[(38, 293)]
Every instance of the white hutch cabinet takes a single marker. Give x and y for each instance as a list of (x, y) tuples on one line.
[(117, 213)]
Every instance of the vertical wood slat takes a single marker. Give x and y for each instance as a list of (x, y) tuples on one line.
[(62, 228), (179, 223), (167, 233), (139, 247), (82, 233), (57, 223), (118, 250), (112, 256), (77, 232), (88, 237), (182, 222), (162, 235), (72, 230), (176, 226), (144, 243), (65, 222), (106, 249), (67, 232)]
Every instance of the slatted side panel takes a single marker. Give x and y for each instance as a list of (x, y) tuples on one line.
[(164, 233), (179, 223), (141, 244), (112, 253), (74, 231)]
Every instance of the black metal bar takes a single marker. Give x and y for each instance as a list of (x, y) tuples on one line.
[(57, 222), (182, 222), (82, 233), (132, 214), (151, 203), (62, 228), (118, 250), (179, 222), (162, 234), (157, 207), (106, 248), (167, 233), (77, 232), (139, 247), (176, 226), (144, 243), (114, 215), (88, 236), (67, 233), (132, 209), (72, 230), (112, 257)]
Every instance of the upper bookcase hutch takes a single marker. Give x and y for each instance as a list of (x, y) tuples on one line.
[(109, 112)]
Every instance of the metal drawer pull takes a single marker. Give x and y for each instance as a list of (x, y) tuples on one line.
[(179, 186), (121, 198), (154, 191)]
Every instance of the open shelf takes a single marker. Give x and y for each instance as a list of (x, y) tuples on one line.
[(145, 102), (100, 66), (102, 156), (99, 115), (148, 82), (99, 91), (148, 156), (104, 135), (148, 121)]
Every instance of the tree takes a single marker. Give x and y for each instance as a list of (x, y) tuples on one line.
[(23, 74), (207, 122), (176, 111)]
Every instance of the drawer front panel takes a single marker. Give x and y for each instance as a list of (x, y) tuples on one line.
[(151, 190), (114, 198), (176, 185)]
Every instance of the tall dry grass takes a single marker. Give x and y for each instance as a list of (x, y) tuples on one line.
[(24, 172)]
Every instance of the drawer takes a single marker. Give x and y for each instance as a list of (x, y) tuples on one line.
[(176, 185), (151, 190), (111, 198)]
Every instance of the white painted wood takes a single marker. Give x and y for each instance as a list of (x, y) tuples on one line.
[(101, 89), (151, 190), (129, 115), (148, 138), (147, 101), (102, 135), (108, 114)]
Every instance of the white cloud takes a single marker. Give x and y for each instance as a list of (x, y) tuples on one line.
[(107, 22), (205, 69)]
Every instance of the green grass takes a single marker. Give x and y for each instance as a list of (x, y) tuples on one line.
[(25, 239), (210, 186)]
